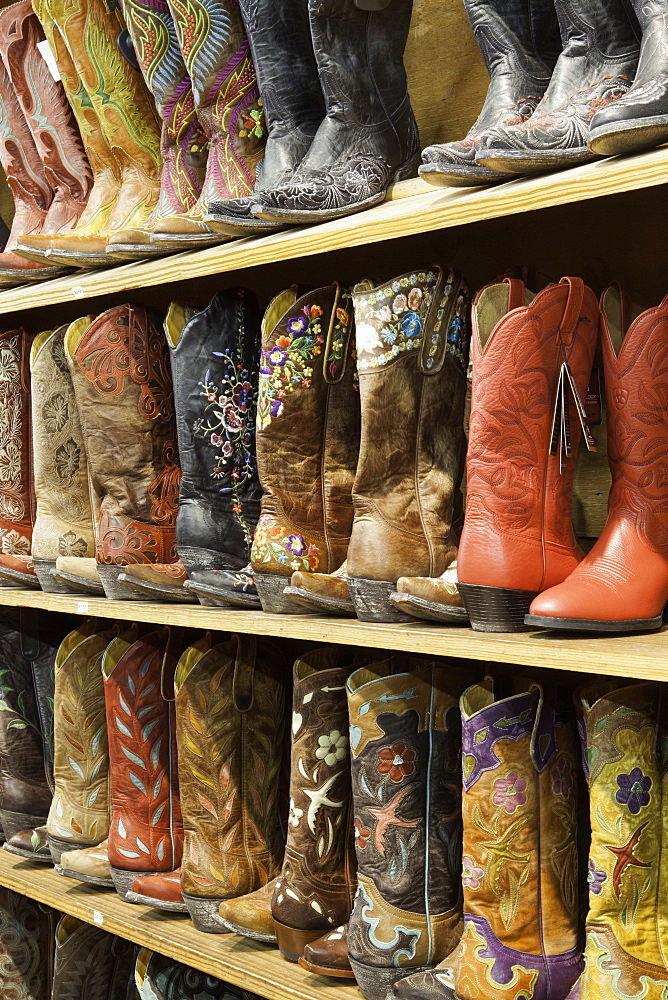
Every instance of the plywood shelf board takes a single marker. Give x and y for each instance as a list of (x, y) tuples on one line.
[(236, 960), (405, 213), (641, 656)]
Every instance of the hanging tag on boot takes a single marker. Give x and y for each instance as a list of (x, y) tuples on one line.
[(561, 443)]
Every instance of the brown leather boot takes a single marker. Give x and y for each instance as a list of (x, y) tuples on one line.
[(91, 964), (17, 494), (432, 598), (314, 891), (524, 432), (307, 394), (26, 946), (328, 955), (412, 350), (124, 394)]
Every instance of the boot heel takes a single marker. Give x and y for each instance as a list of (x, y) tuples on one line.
[(496, 609), (49, 583), (376, 984), (270, 587), (209, 597), (60, 847), (204, 914), (116, 590), (124, 880), (16, 822), (408, 170), (372, 601), (293, 940)]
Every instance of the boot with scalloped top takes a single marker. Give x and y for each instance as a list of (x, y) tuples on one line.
[(161, 978), (91, 964)]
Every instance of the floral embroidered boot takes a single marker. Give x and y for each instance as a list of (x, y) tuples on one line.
[(26, 946), (90, 864), (123, 388), (520, 862), (405, 742), (160, 978), (17, 494), (146, 829), (313, 894), (308, 395), (625, 736), (90, 964), (412, 351), (215, 370), (79, 814)]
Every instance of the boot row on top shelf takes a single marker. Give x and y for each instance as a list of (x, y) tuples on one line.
[(326, 444), (266, 118), (434, 849)]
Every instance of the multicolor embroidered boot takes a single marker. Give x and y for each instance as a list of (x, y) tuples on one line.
[(215, 356), (17, 495), (520, 864), (91, 964), (221, 69), (625, 735), (412, 351), (123, 389), (308, 394), (146, 830), (160, 978), (314, 891), (287, 74), (79, 814), (405, 741), (183, 146), (90, 864), (26, 946)]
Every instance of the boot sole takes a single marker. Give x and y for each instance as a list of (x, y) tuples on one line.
[(11, 276), (326, 605), (204, 914), (293, 940), (59, 847), (271, 589), (523, 164), (32, 253), (209, 597), (182, 241), (584, 625), (220, 224), (124, 880), (156, 904), (105, 883), (372, 601), (25, 579), (135, 251), (174, 595), (324, 970), (77, 584), (30, 855), (463, 178), (629, 137), (47, 581), (248, 933), (16, 822), (376, 984), (429, 610), (78, 258), (496, 609), (115, 590)]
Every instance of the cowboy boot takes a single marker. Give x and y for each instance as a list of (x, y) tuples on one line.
[(17, 494), (146, 828), (308, 394), (160, 978), (287, 75), (124, 394), (405, 741), (90, 864), (183, 146), (432, 598), (226, 96), (412, 349), (328, 956), (596, 68), (520, 863), (639, 119), (79, 814), (624, 739), (519, 41), (90, 964), (622, 583), (215, 371), (369, 137), (26, 946), (326, 593), (526, 416)]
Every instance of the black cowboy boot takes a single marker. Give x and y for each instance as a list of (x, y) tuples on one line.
[(519, 41), (595, 69), (640, 118), (368, 138), (287, 75)]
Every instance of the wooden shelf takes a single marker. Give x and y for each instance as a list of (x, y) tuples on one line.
[(641, 656), (259, 968), (412, 207)]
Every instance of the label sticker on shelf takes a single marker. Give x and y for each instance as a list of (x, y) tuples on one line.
[(98, 918), (78, 292), (82, 607)]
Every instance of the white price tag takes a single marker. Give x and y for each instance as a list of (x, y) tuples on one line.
[(98, 918), (77, 291), (82, 607), (44, 50)]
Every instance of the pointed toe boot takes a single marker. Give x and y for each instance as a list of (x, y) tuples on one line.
[(519, 42), (250, 915), (162, 892), (434, 599), (90, 864), (78, 574), (526, 416), (31, 844), (328, 955), (326, 593), (622, 583), (163, 582)]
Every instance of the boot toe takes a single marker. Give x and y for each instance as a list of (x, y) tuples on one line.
[(558, 602), (422, 986)]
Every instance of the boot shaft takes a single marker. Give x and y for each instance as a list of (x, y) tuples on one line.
[(90, 963), (515, 35), (26, 945), (17, 495)]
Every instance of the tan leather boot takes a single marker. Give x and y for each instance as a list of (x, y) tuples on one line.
[(432, 598), (17, 495), (90, 864)]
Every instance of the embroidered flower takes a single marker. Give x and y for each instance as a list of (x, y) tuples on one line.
[(216, 440), (242, 396), (510, 792), (343, 316), (55, 413), (14, 544), (296, 544), (295, 814), (389, 335), (253, 124), (414, 298), (296, 325), (472, 874), (562, 777), (396, 761), (276, 408), (227, 449), (411, 325), (367, 337), (361, 834), (316, 311), (633, 790), (277, 357), (385, 314), (67, 459), (70, 544), (332, 748), (9, 367), (595, 878), (400, 304), (232, 420)]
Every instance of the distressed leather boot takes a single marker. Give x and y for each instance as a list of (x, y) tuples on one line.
[(412, 349), (292, 102), (405, 742), (369, 136), (520, 863), (435, 599), (227, 100), (90, 864), (215, 360), (596, 67), (79, 813), (91, 964), (622, 583), (26, 946), (308, 394), (123, 388), (526, 418), (17, 493), (639, 119), (183, 146), (146, 829), (519, 41), (314, 891), (160, 978)]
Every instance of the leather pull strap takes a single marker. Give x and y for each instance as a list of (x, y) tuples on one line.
[(341, 322), (573, 308), (244, 673), (29, 634), (515, 293), (433, 348)]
